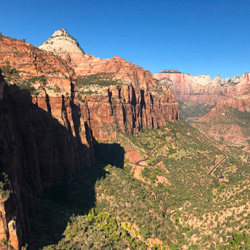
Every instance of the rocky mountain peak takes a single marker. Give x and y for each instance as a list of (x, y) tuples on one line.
[(60, 32), (64, 45)]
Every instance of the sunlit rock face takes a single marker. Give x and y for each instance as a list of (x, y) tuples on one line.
[(33, 63), (223, 99), (139, 101), (204, 89), (65, 46)]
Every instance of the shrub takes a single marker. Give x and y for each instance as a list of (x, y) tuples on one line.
[(101, 79)]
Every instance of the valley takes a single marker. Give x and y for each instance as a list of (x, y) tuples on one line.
[(183, 201), (95, 153)]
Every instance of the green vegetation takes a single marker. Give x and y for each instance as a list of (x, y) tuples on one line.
[(193, 109), (4, 186), (100, 79), (95, 231), (8, 72), (228, 119), (29, 84), (175, 203), (12, 76)]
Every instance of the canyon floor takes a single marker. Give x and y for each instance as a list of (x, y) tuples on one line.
[(160, 189)]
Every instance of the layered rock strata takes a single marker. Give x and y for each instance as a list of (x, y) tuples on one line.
[(33, 63), (124, 109), (225, 98), (46, 137), (65, 46), (138, 102)]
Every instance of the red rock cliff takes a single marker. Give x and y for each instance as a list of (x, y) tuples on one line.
[(32, 62), (126, 110), (36, 151), (138, 102)]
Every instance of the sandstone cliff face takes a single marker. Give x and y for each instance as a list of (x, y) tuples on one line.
[(227, 96), (32, 62), (126, 110), (229, 120), (63, 45), (36, 151), (47, 137), (138, 102)]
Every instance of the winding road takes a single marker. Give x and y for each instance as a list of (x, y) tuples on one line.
[(138, 163), (221, 173), (217, 164), (221, 176)]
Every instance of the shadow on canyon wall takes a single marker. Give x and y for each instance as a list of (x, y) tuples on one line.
[(50, 214), (52, 173)]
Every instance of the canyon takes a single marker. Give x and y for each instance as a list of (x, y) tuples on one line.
[(47, 136), (36, 152), (90, 144)]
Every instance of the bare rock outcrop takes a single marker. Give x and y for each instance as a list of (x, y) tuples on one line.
[(65, 46), (124, 109), (228, 100), (43, 70)]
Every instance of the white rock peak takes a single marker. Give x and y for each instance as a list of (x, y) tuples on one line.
[(65, 46), (60, 32)]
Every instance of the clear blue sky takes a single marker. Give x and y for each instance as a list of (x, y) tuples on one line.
[(197, 37)]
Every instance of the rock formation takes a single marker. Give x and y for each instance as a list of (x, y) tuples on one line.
[(36, 152), (65, 46), (148, 104), (123, 109), (138, 102), (33, 63), (47, 137)]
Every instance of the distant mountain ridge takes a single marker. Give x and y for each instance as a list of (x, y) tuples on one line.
[(216, 105), (203, 89)]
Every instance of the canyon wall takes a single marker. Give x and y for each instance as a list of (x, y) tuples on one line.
[(33, 63), (36, 152), (137, 102), (124, 109)]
